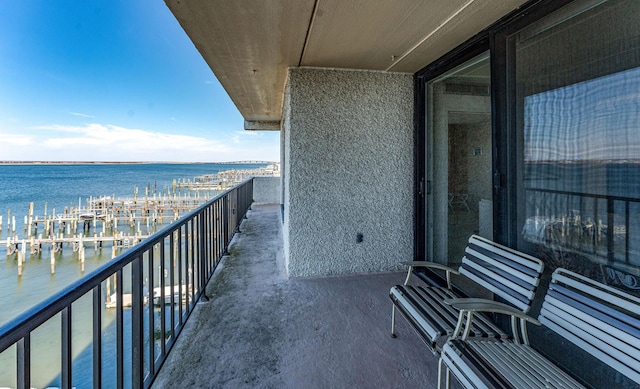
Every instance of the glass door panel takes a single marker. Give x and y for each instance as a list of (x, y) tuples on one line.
[(577, 99), (459, 161)]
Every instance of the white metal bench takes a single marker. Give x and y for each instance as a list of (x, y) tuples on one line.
[(603, 321), (509, 274)]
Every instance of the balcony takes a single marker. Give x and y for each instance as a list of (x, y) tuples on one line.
[(206, 302), (261, 329)]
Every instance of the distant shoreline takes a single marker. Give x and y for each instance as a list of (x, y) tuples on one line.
[(129, 163)]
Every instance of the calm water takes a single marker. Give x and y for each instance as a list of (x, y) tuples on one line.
[(59, 186), (62, 185)]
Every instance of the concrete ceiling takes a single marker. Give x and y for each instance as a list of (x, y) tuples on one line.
[(250, 44)]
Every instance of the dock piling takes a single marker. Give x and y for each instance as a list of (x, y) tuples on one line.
[(53, 259)]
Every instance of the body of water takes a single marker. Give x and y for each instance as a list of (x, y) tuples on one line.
[(56, 186)]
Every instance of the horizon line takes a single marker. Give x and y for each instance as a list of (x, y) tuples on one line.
[(246, 162)]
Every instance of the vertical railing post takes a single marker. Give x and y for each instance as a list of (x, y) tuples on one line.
[(225, 221), (202, 259), (150, 311), (610, 235), (180, 277), (66, 357), (188, 276), (119, 331), (627, 225), (194, 255), (97, 336), (137, 341), (172, 275), (218, 227), (163, 308), (24, 362)]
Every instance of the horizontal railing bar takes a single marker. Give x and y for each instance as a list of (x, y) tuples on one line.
[(20, 326), (582, 194)]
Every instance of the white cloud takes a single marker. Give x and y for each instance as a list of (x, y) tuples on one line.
[(84, 115), (15, 140), (100, 142), (248, 137)]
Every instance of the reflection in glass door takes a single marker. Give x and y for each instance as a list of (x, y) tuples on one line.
[(459, 162)]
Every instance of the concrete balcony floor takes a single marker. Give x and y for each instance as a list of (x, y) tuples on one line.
[(261, 329)]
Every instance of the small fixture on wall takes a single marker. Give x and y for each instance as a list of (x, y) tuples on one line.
[(359, 237), (477, 151)]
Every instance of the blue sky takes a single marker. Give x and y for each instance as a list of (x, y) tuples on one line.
[(591, 120), (112, 81)]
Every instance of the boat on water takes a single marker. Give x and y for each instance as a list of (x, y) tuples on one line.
[(179, 296), (126, 300)]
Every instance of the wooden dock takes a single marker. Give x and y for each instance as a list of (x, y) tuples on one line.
[(118, 223), (104, 222), (226, 179)]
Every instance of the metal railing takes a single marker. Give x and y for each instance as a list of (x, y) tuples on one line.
[(156, 285), (597, 226)]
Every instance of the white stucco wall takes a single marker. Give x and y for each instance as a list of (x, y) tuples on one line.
[(348, 145), (266, 190)]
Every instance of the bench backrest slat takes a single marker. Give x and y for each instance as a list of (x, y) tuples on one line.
[(511, 275), (602, 320)]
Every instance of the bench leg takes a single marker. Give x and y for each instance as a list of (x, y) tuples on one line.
[(447, 376), (393, 321)]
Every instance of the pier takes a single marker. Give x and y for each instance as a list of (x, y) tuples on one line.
[(227, 179), (113, 222), (104, 222)]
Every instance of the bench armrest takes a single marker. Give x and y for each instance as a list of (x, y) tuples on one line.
[(431, 265), (468, 306)]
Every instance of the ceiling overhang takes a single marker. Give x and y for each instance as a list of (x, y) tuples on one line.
[(249, 45)]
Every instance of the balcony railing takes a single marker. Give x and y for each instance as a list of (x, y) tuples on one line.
[(155, 287), (597, 227)]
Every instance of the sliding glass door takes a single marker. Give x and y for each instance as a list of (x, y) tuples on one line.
[(458, 160)]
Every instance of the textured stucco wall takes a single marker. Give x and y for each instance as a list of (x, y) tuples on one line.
[(348, 142), (266, 190)]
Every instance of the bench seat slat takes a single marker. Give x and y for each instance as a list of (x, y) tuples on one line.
[(412, 313), (532, 358), (425, 306), (519, 364), (455, 361), (517, 374), (426, 298)]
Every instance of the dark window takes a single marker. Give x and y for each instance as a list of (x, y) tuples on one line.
[(577, 110)]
